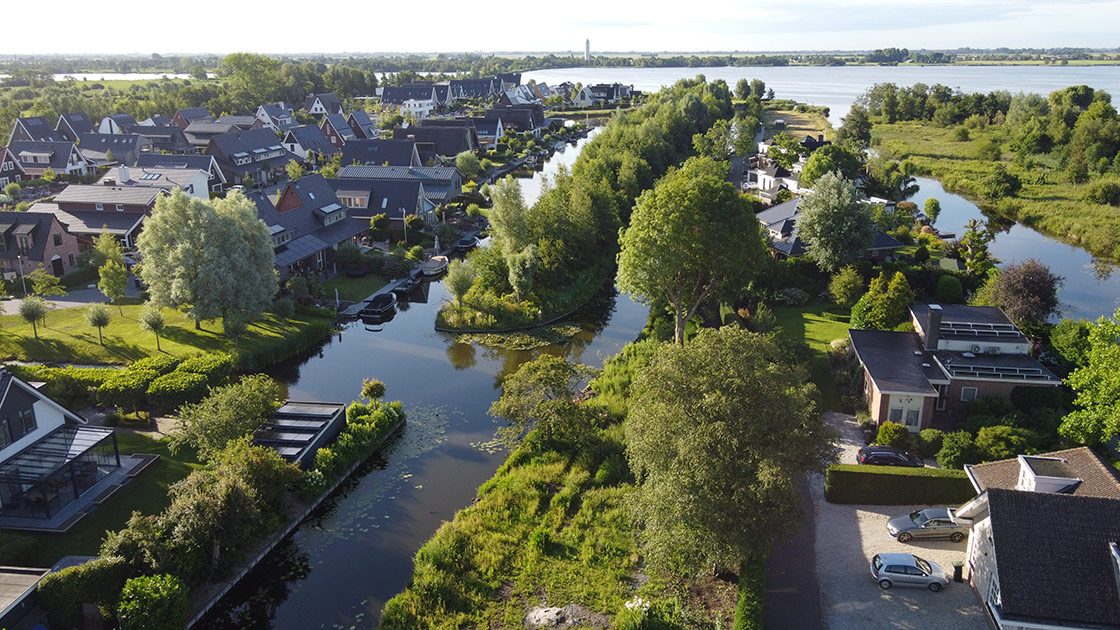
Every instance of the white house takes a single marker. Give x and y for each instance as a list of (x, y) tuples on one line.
[(583, 98), (194, 182), (418, 108)]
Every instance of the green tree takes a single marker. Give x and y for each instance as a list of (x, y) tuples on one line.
[(949, 290), (44, 284), (719, 434), (154, 602), (958, 449), (846, 287), (828, 159), (459, 280), (98, 316), (743, 89), (107, 248), (12, 190), (198, 73), (896, 435), (1097, 383), (542, 394), (151, 320), (1027, 291), (508, 220), (294, 170), (113, 279), (714, 143), (1000, 183), (258, 76), (834, 223), (886, 304), (33, 310), (987, 150), (691, 239), (932, 210), (1003, 442), (373, 389), (1070, 339), (227, 414), (974, 248), (855, 133), (522, 266), (468, 164), (758, 89), (785, 149)]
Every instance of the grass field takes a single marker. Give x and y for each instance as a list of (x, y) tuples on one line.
[(353, 289), (805, 324), (798, 124), (1047, 202), (65, 336)]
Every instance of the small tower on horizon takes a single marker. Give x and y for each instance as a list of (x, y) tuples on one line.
[(587, 50)]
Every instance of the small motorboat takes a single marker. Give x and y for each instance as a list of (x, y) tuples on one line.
[(434, 266), (381, 305), (407, 285), (466, 243), (357, 272)]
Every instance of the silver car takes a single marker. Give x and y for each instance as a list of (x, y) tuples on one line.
[(905, 569), (927, 523)]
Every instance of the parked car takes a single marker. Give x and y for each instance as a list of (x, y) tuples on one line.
[(926, 523), (881, 455), (906, 569)]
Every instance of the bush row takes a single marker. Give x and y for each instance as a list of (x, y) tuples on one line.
[(69, 386), (62, 593), (888, 485), (165, 382), (367, 426), (277, 349)]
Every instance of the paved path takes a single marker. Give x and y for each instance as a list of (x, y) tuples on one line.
[(793, 595), (76, 297)]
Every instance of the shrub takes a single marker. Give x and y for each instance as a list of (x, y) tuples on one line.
[(153, 602), (896, 435), (1003, 442), (763, 320), (127, 389), (297, 286), (792, 296), (929, 442), (1029, 399), (97, 581), (949, 290), (216, 367), (858, 319), (958, 449), (752, 592), (921, 255), (160, 365), (1105, 192), (349, 256), (847, 286), (172, 390), (888, 485)]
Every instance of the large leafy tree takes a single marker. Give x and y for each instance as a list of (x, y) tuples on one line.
[(1097, 383), (855, 133), (460, 278), (827, 159), (834, 223), (227, 414), (509, 224), (1028, 291), (542, 394), (691, 238), (719, 433), (250, 258)]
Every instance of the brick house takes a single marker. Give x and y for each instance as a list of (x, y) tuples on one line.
[(38, 240)]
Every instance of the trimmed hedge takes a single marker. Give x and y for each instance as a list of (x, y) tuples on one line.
[(892, 485), (172, 390), (127, 389), (160, 364), (752, 595), (98, 581), (70, 386), (216, 367)]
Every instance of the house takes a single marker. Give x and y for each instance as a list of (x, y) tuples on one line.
[(381, 153), (488, 131), (256, 154), (475, 88), (397, 95), (509, 79), (205, 163), (34, 129), (19, 595), (520, 95), (779, 223), (1043, 541), (463, 122), (444, 97), (396, 198), (35, 240), (584, 98), (156, 120), (103, 149), (336, 130), (74, 125), (520, 118), (62, 157), (117, 124), (297, 430), (194, 182), (610, 93), (184, 117), (164, 138), (308, 143), (364, 126), (958, 354), (766, 178), (308, 223), (433, 143), (49, 455), (418, 109), (108, 198), (322, 104), (10, 168), (442, 184), (87, 224), (199, 133), (278, 116), (240, 123)]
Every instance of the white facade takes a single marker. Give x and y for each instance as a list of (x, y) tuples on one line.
[(584, 98), (418, 108)]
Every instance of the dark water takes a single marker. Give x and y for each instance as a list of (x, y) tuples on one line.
[(341, 566), (1091, 288)]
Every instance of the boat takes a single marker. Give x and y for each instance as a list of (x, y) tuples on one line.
[(380, 305), (407, 285), (434, 266), (466, 243)]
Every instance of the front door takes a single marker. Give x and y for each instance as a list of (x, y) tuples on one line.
[(56, 266)]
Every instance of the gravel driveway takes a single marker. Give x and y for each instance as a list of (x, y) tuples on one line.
[(849, 535)]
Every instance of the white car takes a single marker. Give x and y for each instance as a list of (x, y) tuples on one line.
[(906, 569)]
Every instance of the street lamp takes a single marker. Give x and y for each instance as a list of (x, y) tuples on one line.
[(23, 278)]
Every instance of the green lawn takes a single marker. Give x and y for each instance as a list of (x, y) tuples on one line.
[(805, 324), (353, 289), (146, 494), (65, 336)]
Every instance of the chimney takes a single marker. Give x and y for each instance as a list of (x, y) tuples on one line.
[(933, 327), (122, 172)]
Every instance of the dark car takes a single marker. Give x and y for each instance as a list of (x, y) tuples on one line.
[(878, 455)]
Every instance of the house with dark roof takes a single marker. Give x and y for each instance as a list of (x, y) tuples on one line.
[(309, 144), (393, 152), (39, 241), (397, 95), (322, 104), (104, 149), (117, 124), (194, 182), (583, 98), (475, 88), (442, 184), (308, 223), (240, 123), (167, 138), (364, 126), (87, 224), (50, 457), (187, 115), (509, 79), (205, 163), (779, 224), (108, 198), (277, 116), (611, 93), (520, 118), (444, 97), (1043, 541), (34, 129), (61, 157), (74, 125), (488, 130), (433, 142), (156, 120), (336, 130), (256, 153), (10, 168), (396, 198), (462, 121), (957, 354), (199, 133)]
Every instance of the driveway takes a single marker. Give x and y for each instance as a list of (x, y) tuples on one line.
[(76, 297), (847, 536)]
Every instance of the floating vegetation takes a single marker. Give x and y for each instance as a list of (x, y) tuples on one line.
[(523, 339)]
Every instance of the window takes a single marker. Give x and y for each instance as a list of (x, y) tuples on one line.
[(24, 244), (968, 394), (27, 420), (5, 437), (120, 207), (912, 416), (942, 396), (71, 259), (99, 206), (57, 239), (895, 415)]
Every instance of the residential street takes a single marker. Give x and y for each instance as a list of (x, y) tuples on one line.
[(77, 297)]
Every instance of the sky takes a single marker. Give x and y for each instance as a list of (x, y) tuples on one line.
[(664, 26)]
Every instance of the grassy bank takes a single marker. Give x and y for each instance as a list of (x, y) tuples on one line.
[(65, 336), (1047, 202), (807, 324), (353, 289)]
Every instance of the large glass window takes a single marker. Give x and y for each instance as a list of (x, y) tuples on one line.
[(5, 436), (968, 394), (27, 419)]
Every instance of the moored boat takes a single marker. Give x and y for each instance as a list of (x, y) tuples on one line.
[(380, 305), (434, 266)]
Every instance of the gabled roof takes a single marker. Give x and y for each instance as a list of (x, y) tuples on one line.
[(341, 127), (77, 123), (780, 222), (398, 95), (59, 152), (380, 152), (125, 121), (191, 114), (91, 222), (226, 146), (1053, 557), (239, 122), (279, 109), (97, 145), (439, 174), (328, 100), (205, 163), (38, 129), (475, 88), (446, 141), (99, 193), (303, 222), (311, 138), (153, 177), (156, 120), (1098, 478), (393, 197), (6, 154), (38, 224)]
